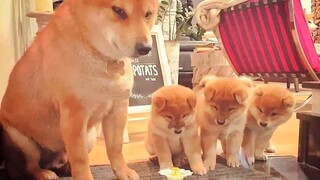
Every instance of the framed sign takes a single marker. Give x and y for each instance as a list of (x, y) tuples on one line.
[(150, 73)]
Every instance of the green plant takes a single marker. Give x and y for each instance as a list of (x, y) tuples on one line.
[(181, 23)]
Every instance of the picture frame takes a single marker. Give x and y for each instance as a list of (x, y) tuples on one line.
[(150, 73)]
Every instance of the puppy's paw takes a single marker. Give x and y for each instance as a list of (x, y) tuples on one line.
[(44, 174), (199, 169), (233, 161), (127, 174), (250, 160), (260, 157), (209, 164), (270, 149)]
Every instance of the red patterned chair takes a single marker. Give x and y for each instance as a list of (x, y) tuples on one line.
[(269, 39)]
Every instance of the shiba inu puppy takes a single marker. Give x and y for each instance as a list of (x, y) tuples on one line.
[(271, 106), (77, 73), (221, 110), (173, 130)]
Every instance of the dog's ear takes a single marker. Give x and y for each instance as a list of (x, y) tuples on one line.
[(247, 81), (209, 93), (288, 101), (192, 100), (240, 95), (159, 102), (258, 91), (205, 80)]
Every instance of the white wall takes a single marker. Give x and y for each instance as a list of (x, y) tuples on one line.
[(7, 56)]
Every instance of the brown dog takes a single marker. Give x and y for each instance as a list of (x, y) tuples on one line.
[(271, 106), (221, 111), (173, 130), (77, 73)]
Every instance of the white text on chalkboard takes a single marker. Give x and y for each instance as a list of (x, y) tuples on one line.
[(145, 70)]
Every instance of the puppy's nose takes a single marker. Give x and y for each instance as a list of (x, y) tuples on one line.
[(221, 122), (263, 124), (178, 131), (143, 49)]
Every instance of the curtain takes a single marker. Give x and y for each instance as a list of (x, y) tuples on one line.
[(25, 28)]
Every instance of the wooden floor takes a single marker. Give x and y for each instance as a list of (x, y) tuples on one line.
[(285, 139)]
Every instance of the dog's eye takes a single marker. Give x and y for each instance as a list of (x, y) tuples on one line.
[(169, 117), (231, 109), (120, 12), (215, 107), (148, 15), (260, 110), (274, 114), (184, 116)]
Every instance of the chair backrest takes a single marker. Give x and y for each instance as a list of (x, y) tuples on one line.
[(305, 38), (268, 38)]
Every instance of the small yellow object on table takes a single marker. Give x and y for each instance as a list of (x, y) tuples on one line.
[(175, 173)]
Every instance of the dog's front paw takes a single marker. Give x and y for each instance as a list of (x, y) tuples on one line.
[(260, 157), (270, 149), (199, 169), (209, 164), (44, 174), (127, 174), (250, 159), (233, 161)]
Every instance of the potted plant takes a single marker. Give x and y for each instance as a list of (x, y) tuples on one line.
[(175, 19)]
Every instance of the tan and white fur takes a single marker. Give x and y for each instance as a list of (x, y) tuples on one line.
[(221, 110), (173, 130), (77, 73), (271, 106)]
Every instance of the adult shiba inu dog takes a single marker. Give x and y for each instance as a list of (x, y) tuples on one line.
[(271, 106), (77, 73), (173, 130), (221, 110)]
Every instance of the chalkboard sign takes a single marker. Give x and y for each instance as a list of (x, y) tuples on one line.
[(150, 73)]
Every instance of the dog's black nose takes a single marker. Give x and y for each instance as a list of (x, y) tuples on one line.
[(143, 49), (221, 122), (178, 131), (263, 124)]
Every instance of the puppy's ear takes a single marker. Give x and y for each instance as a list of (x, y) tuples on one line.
[(205, 80), (209, 93), (192, 100), (288, 101), (240, 96), (159, 102), (247, 81), (258, 91)]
